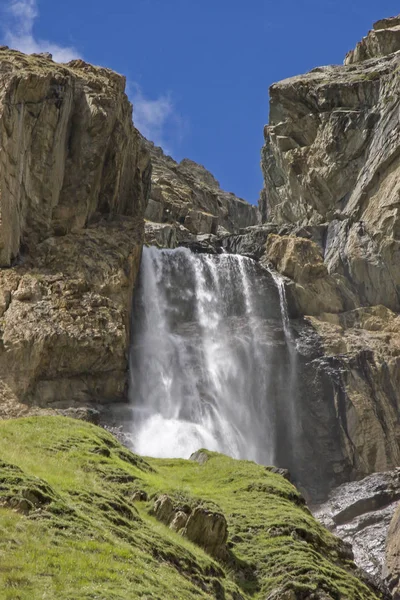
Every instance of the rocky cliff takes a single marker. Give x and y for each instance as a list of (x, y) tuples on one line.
[(74, 184), (331, 205), (186, 200)]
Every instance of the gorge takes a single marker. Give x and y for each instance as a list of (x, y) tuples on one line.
[(261, 344)]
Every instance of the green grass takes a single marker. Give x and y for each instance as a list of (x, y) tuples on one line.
[(70, 530)]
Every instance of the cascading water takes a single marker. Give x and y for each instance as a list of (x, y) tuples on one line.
[(211, 364)]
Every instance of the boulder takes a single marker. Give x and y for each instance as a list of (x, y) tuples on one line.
[(202, 526), (209, 530)]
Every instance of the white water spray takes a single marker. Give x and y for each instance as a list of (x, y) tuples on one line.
[(209, 359)]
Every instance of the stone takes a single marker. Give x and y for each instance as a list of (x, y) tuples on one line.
[(364, 348), (360, 513), (74, 183), (139, 496), (179, 521), (209, 530), (69, 150), (343, 172), (392, 558), (204, 527), (164, 509), (331, 229), (200, 457), (311, 289), (382, 40), (186, 194)]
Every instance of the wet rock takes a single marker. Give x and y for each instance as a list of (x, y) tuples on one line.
[(283, 472), (314, 290), (360, 513), (82, 413), (392, 557)]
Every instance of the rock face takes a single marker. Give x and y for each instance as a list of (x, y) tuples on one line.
[(74, 182), (384, 39), (360, 513), (331, 165), (69, 150), (188, 199), (392, 563), (331, 159)]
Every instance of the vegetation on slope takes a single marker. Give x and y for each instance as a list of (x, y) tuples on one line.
[(70, 527)]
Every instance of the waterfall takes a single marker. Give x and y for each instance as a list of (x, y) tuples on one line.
[(211, 357), (292, 416)]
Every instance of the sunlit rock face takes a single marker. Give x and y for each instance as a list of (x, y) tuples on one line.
[(187, 198), (74, 183), (331, 159), (69, 150), (330, 207), (382, 40)]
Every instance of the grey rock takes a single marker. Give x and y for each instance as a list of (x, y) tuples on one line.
[(383, 39), (187, 194), (360, 513)]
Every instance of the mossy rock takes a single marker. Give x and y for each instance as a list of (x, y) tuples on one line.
[(87, 532)]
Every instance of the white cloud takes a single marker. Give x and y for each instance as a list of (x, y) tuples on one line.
[(157, 119), (18, 20), (151, 117)]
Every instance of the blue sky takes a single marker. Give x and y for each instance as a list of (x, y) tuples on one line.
[(198, 70)]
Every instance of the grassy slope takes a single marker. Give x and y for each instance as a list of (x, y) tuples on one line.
[(75, 534)]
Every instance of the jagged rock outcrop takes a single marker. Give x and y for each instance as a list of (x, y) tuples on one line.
[(188, 200), (74, 182), (313, 290), (331, 158), (202, 526), (384, 39), (69, 150)]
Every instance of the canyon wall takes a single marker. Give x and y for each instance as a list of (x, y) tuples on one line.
[(331, 165), (74, 185)]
